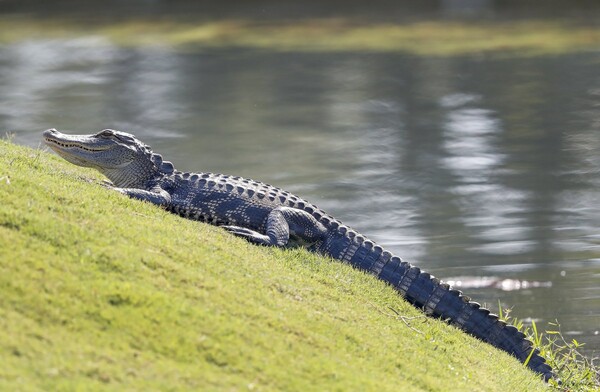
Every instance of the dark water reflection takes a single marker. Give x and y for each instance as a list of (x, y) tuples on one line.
[(470, 166)]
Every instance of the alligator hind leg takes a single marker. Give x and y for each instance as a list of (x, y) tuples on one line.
[(285, 227)]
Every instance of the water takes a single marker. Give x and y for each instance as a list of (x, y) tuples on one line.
[(484, 170)]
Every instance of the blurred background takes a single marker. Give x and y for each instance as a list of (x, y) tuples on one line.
[(463, 135)]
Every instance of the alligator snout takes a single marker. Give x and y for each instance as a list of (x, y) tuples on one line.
[(49, 132)]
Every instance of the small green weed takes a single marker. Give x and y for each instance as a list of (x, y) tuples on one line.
[(575, 371)]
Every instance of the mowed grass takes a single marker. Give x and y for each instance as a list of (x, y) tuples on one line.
[(100, 292)]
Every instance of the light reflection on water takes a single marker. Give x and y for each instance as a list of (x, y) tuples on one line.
[(466, 166)]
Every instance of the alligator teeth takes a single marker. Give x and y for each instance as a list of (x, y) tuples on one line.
[(70, 145)]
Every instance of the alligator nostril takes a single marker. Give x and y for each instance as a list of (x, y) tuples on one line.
[(49, 131)]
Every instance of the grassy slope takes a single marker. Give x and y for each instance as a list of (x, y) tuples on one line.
[(101, 291)]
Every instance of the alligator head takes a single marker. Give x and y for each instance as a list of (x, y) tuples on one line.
[(125, 160)]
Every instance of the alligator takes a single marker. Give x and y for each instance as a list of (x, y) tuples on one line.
[(266, 215)]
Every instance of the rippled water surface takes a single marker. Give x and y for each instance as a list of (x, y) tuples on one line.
[(484, 170)]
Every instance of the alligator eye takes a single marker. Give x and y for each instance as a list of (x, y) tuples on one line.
[(106, 133)]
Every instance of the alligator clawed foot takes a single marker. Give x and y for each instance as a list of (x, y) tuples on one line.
[(249, 235), (107, 184), (239, 231), (111, 186)]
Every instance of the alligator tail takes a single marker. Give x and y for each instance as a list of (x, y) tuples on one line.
[(435, 297), (438, 299)]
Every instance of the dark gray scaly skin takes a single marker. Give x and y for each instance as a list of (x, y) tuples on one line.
[(267, 215)]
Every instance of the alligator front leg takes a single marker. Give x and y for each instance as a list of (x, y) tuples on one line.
[(156, 196), (285, 227)]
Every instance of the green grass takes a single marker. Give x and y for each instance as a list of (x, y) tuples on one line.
[(439, 38), (100, 292)]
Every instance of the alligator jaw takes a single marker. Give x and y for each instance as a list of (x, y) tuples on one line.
[(57, 140)]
